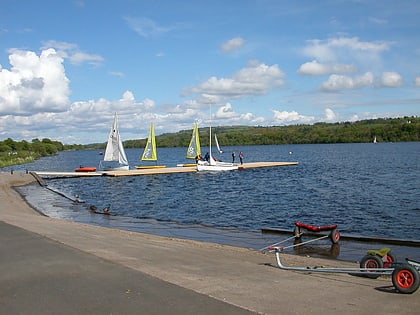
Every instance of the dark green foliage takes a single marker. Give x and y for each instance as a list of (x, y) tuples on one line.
[(385, 130)]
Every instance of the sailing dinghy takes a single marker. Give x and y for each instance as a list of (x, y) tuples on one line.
[(114, 157), (150, 151), (194, 148), (212, 164)]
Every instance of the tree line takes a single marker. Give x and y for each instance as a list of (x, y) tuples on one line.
[(384, 129)]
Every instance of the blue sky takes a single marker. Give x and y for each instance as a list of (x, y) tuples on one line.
[(66, 66)]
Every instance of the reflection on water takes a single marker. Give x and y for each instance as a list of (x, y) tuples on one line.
[(324, 249)]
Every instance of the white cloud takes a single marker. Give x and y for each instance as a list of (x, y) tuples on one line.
[(80, 57), (417, 81), (225, 111), (146, 27), (330, 115), (92, 117), (285, 117), (256, 79), (333, 49), (391, 79), (34, 83), (340, 82), (316, 68), (117, 73), (233, 44), (72, 52)]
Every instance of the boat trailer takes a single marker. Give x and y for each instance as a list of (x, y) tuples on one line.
[(405, 276), (333, 235)]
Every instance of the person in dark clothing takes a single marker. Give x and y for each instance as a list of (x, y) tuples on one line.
[(241, 157), (233, 157)]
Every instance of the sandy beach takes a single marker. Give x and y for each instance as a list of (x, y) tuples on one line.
[(216, 278)]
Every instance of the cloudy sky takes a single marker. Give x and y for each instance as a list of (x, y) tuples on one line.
[(66, 66)]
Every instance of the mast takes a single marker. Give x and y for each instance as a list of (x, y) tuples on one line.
[(211, 160)]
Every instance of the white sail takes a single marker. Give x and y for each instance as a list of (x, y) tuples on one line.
[(194, 149), (114, 149), (217, 144)]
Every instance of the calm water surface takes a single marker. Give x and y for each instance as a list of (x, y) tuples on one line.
[(368, 189)]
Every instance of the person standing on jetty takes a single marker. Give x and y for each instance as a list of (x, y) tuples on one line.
[(241, 157), (233, 157)]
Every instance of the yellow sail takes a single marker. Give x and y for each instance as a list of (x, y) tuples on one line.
[(194, 148), (150, 152)]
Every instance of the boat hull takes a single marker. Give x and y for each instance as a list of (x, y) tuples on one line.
[(85, 169), (142, 167), (216, 168), (117, 168)]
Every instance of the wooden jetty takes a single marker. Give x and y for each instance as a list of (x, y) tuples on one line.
[(153, 171)]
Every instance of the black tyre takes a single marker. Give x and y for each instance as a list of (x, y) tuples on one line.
[(405, 278), (371, 261), (335, 236)]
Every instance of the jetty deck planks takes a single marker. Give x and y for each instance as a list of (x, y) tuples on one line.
[(153, 171)]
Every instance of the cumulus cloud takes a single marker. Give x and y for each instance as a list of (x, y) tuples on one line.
[(316, 68), (92, 117), (391, 79), (256, 79), (34, 83), (341, 82), (330, 115), (285, 117), (226, 115), (233, 44)]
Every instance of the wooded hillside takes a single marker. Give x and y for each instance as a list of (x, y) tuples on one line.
[(385, 130)]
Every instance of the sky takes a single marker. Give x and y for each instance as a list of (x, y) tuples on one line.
[(67, 66)]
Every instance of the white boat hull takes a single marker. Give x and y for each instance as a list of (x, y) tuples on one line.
[(218, 167), (117, 168)]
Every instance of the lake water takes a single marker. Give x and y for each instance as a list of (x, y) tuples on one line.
[(368, 189)]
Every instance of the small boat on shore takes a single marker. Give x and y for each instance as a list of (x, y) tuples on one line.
[(85, 169)]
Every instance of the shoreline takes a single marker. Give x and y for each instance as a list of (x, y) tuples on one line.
[(238, 276), (350, 248)]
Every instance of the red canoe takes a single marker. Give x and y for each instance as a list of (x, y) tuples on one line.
[(85, 169)]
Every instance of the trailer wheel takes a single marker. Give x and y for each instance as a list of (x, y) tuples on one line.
[(371, 261), (335, 236), (405, 278), (390, 259)]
